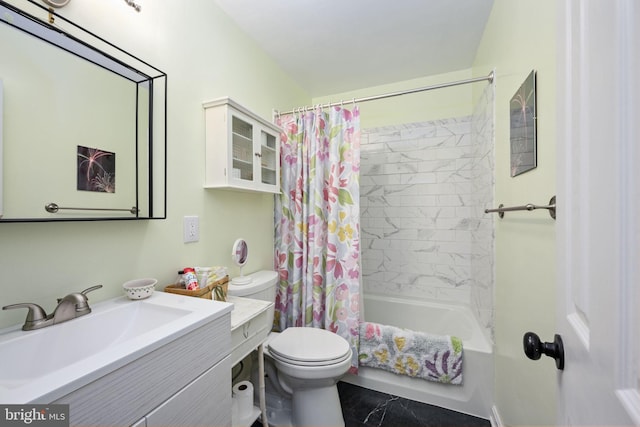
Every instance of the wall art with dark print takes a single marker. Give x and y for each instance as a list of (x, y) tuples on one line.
[(522, 110), (96, 170)]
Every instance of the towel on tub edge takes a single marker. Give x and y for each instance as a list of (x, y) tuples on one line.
[(416, 354)]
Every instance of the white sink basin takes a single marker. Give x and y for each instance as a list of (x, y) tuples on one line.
[(42, 365)]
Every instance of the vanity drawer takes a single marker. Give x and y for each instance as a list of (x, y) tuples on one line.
[(204, 402), (249, 335)]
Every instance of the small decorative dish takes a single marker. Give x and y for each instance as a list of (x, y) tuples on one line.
[(139, 288)]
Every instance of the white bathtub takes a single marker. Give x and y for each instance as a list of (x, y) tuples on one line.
[(475, 396)]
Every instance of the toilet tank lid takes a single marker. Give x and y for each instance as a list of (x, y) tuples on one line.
[(260, 280)]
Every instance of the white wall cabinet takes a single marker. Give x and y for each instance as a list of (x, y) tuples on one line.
[(242, 149)]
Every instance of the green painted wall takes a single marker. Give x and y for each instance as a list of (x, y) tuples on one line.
[(416, 107), (205, 56), (520, 37)]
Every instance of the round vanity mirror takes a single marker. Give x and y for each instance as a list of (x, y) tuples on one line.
[(240, 252), (239, 255)]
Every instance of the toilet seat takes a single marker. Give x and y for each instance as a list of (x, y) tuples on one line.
[(309, 347), (311, 364)]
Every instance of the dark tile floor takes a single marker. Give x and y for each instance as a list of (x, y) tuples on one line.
[(362, 407), (367, 408)]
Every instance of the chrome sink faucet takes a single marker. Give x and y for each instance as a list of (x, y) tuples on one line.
[(71, 306)]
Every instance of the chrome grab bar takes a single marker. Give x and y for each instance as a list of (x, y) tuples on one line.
[(551, 207)]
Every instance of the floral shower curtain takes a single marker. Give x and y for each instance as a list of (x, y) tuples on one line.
[(317, 218)]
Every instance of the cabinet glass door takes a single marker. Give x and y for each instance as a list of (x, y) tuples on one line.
[(268, 158), (242, 149)]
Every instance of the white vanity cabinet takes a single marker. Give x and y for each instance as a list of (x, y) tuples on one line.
[(204, 402), (186, 382), (242, 149)]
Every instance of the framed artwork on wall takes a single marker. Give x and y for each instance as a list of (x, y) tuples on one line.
[(522, 112), (96, 170)]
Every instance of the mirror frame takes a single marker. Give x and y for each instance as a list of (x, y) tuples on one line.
[(88, 46), (240, 252)]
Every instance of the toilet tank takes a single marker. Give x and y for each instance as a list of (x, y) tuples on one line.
[(261, 287)]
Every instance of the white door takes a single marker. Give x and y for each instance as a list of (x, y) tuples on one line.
[(599, 211)]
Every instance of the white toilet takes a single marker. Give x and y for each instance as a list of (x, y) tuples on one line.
[(307, 362)]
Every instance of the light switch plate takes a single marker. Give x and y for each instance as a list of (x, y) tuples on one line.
[(191, 226)]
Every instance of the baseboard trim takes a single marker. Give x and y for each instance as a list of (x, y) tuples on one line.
[(494, 418)]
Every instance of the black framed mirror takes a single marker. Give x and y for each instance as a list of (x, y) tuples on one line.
[(84, 129)]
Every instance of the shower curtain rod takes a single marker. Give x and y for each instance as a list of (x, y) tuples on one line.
[(392, 94)]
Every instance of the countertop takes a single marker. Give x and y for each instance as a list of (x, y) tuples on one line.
[(245, 309)]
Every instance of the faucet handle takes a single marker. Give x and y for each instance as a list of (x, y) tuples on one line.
[(35, 315), (82, 300), (79, 299), (93, 288)]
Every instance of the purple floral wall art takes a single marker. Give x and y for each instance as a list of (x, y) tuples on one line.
[(522, 111), (96, 170)]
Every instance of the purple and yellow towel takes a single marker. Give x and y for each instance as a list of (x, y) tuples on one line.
[(416, 354)]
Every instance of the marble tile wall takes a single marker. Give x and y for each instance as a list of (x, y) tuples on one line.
[(482, 262), (423, 190)]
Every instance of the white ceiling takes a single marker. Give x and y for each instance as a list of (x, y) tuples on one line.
[(332, 46)]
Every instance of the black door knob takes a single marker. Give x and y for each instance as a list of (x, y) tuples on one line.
[(534, 348)]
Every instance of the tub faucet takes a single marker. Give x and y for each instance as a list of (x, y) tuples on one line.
[(71, 306)]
